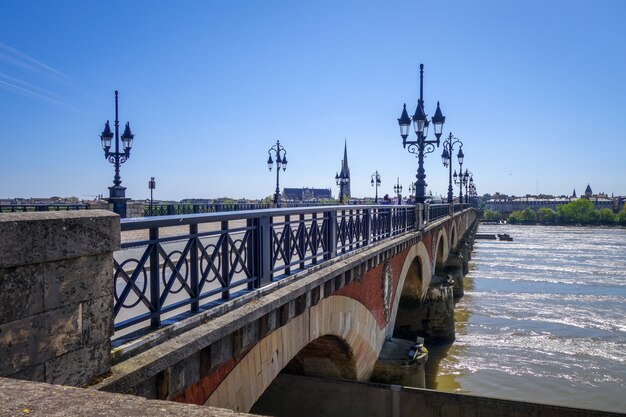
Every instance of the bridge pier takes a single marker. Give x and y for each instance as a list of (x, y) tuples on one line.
[(431, 317), (401, 362), (454, 268)]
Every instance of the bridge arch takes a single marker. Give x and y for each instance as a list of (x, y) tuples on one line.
[(443, 249), (453, 235), (338, 323), (412, 285)]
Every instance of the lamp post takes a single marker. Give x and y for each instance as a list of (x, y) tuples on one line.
[(151, 186), (463, 180), (458, 179), (281, 162), (468, 179), (446, 158), (472, 192), (117, 193), (398, 189), (376, 181), (421, 146), (341, 181), (412, 188)]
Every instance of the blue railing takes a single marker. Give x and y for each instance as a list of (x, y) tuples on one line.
[(23, 208), (173, 209), (173, 265), (186, 262)]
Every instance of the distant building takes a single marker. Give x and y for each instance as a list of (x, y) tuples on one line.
[(306, 194), (510, 204), (344, 174)]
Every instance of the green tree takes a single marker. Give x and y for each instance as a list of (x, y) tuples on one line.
[(515, 217), (621, 217), (606, 216), (580, 211), (491, 216), (546, 216), (529, 216)]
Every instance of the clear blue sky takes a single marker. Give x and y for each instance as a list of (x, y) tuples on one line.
[(535, 89)]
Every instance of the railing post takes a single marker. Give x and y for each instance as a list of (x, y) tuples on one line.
[(263, 250), (330, 237), (287, 243), (225, 255), (301, 240), (314, 237), (419, 216), (251, 253), (170, 210), (193, 260), (367, 226), (155, 291)]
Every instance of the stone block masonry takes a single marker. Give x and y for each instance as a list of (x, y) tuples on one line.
[(56, 297)]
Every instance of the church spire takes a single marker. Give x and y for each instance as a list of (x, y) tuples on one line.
[(344, 163), (343, 177)]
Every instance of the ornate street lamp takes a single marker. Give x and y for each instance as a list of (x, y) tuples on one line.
[(458, 179), (376, 181), (281, 162), (468, 182), (446, 158), (472, 192), (117, 193), (463, 181), (398, 188), (412, 188), (421, 146), (341, 181)]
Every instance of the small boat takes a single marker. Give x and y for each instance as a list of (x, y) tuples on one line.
[(505, 236)]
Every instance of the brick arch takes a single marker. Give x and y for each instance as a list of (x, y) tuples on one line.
[(454, 235), (416, 256), (339, 317), (442, 249)]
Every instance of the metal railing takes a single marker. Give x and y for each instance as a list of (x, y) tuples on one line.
[(197, 208), (23, 208), (172, 266), (184, 264), (437, 211)]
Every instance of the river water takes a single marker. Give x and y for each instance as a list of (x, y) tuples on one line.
[(543, 319)]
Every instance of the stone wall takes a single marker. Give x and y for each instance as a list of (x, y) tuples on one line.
[(292, 395), (135, 209), (56, 297), (25, 398)]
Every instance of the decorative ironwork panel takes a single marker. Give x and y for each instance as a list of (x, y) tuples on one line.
[(297, 244)]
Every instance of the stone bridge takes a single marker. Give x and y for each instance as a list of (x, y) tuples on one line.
[(317, 292)]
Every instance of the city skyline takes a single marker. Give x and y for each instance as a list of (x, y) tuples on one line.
[(207, 88)]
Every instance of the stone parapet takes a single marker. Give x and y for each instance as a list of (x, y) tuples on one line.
[(22, 398), (135, 209), (56, 294)]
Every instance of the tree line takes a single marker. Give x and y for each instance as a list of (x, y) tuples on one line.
[(581, 211)]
